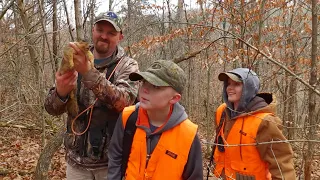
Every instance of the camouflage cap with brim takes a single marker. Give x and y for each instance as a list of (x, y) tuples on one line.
[(163, 73), (151, 78), (110, 17)]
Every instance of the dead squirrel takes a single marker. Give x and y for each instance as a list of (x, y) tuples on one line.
[(67, 65)]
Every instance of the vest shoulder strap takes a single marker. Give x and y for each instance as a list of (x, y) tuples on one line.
[(127, 111), (189, 132), (192, 128), (219, 112), (129, 118)]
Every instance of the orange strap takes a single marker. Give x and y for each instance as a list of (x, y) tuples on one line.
[(91, 108), (219, 112), (127, 111)]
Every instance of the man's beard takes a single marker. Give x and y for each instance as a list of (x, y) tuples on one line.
[(102, 49)]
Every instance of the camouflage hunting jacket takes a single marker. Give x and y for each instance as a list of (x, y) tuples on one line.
[(89, 151)]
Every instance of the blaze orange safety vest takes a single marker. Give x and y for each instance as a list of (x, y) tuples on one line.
[(169, 156), (243, 160)]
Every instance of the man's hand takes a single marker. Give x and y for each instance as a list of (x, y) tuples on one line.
[(80, 60), (65, 82)]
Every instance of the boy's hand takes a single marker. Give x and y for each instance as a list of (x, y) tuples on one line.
[(65, 82), (80, 60)]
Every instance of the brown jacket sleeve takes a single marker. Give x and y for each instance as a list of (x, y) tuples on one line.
[(53, 104), (118, 95), (279, 156)]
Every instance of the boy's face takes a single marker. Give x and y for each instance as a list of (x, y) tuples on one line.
[(156, 97)]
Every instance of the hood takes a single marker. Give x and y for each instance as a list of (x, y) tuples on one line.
[(271, 104), (261, 103), (251, 85), (178, 115)]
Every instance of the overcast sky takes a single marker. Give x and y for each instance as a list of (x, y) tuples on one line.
[(104, 4)]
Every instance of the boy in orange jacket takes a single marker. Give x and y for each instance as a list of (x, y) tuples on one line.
[(165, 143)]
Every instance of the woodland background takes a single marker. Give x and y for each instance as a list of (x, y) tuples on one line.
[(276, 38)]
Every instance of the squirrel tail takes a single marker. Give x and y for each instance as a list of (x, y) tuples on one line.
[(72, 104)]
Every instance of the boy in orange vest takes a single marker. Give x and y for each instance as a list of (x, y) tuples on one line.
[(246, 126), (165, 144)]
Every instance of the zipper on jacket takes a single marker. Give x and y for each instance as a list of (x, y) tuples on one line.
[(241, 133), (148, 150)]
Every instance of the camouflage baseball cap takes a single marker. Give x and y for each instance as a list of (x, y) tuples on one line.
[(111, 17), (163, 73)]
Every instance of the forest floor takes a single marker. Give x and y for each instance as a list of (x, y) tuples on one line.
[(20, 149)]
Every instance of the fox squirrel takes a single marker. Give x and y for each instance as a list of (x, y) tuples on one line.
[(67, 65)]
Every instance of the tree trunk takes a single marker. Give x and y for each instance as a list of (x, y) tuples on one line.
[(68, 20), (292, 83), (242, 33), (41, 171), (88, 18), (179, 15), (78, 19), (54, 35), (233, 21), (312, 120), (92, 16), (163, 31), (260, 28), (129, 20), (110, 5), (170, 43), (30, 41)]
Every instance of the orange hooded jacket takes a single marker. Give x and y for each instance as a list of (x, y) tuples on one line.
[(240, 160)]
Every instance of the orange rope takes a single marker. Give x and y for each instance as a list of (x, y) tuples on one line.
[(91, 109)]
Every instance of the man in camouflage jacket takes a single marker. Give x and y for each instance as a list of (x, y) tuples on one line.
[(86, 154)]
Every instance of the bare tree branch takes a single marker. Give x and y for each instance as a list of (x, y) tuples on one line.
[(6, 9), (19, 126), (194, 54), (282, 66), (259, 143), (275, 158), (269, 58)]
